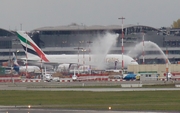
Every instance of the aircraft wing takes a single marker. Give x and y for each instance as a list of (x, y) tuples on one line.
[(38, 63)]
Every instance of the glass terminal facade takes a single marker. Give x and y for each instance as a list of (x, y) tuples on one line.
[(63, 40)]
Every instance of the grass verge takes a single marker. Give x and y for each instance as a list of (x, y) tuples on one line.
[(132, 100)]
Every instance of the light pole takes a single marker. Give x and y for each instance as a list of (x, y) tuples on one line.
[(78, 48), (83, 50), (17, 51), (9, 52), (26, 57), (122, 18), (89, 42), (143, 47), (10, 60), (41, 69), (167, 67)]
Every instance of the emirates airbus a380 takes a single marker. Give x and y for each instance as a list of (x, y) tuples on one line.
[(35, 54)]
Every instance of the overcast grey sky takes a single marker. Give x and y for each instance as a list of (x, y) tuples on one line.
[(40, 13)]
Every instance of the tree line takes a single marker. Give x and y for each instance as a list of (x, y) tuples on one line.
[(176, 24)]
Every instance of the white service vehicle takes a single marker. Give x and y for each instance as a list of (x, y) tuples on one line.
[(47, 77)]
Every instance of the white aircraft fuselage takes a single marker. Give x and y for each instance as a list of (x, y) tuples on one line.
[(34, 53), (96, 60)]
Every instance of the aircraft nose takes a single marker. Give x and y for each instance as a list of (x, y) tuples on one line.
[(134, 63)]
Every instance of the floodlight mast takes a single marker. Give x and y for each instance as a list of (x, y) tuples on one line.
[(122, 18), (143, 48), (89, 42), (167, 66), (41, 69), (83, 50), (26, 57), (78, 48)]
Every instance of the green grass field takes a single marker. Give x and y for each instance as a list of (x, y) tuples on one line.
[(132, 100)]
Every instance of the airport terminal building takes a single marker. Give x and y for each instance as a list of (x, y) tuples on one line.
[(64, 40)]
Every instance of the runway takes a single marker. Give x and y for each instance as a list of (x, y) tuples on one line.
[(70, 111), (89, 89), (83, 83), (69, 87)]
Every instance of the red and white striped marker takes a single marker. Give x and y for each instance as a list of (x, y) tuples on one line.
[(122, 44)]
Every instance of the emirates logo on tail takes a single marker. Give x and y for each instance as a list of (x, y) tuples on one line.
[(30, 46)]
